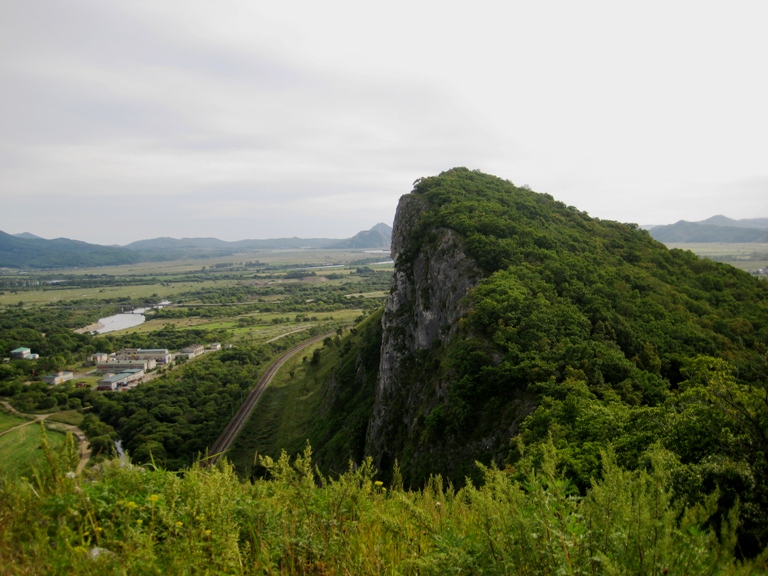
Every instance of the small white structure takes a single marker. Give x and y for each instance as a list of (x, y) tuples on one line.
[(21, 353), (192, 351), (98, 358), (58, 377), (214, 346)]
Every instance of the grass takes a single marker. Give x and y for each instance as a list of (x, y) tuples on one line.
[(746, 256), (270, 257), (130, 520), (260, 332), (144, 291), (71, 417), (280, 418), (21, 449), (8, 421)]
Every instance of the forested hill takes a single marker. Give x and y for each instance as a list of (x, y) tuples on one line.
[(29, 251), (515, 321)]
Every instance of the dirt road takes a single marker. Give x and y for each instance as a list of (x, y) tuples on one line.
[(83, 446)]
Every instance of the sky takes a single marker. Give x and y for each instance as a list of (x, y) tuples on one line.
[(242, 119)]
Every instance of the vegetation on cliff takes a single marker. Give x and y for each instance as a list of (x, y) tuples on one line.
[(588, 335)]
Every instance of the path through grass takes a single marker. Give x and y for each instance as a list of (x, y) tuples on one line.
[(20, 449)]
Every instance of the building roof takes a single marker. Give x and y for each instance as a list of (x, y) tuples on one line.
[(113, 377), (20, 350)]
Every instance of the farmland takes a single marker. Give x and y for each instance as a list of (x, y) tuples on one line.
[(746, 256), (258, 304)]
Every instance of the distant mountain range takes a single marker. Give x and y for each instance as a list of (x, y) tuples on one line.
[(29, 251), (26, 250), (714, 229)]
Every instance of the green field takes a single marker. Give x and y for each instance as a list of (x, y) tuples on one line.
[(264, 331), (21, 449), (746, 256), (71, 417), (8, 421), (271, 257), (156, 281), (154, 291)]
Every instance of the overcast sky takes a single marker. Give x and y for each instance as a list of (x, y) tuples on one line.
[(240, 119)]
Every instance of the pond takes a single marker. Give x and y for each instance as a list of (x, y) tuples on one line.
[(125, 320)]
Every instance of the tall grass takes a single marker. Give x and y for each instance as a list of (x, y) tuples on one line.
[(122, 519)]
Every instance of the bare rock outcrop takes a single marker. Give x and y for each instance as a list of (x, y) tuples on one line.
[(432, 276)]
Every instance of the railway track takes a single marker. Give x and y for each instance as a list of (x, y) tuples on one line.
[(232, 429)]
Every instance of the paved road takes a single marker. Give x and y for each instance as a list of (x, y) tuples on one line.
[(224, 441)]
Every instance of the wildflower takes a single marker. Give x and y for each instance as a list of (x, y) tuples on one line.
[(139, 521), (70, 474), (153, 498), (131, 504), (378, 483), (179, 524)]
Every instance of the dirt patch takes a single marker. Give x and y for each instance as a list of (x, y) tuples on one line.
[(90, 328)]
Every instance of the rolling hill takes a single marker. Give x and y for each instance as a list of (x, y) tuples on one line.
[(29, 251)]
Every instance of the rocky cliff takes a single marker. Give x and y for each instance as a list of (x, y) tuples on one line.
[(432, 276)]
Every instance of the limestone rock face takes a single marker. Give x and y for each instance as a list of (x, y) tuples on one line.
[(432, 276)]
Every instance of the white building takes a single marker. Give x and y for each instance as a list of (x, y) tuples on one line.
[(115, 366), (121, 380), (159, 355), (192, 351), (58, 377)]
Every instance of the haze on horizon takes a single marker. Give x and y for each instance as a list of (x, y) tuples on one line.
[(237, 120)]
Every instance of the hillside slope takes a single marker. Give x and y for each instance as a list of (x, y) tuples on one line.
[(380, 236), (515, 317)]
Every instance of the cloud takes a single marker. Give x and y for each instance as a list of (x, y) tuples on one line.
[(303, 118)]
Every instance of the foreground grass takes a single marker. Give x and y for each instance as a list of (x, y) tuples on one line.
[(123, 519)]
